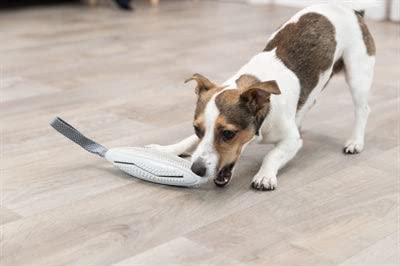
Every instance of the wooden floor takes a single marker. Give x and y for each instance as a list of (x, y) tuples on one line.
[(119, 77)]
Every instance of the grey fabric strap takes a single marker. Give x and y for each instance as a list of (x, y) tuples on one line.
[(73, 134)]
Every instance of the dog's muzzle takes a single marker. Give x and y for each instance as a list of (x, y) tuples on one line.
[(199, 168)]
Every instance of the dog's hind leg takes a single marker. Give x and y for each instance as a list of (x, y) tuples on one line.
[(302, 113), (359, 75)]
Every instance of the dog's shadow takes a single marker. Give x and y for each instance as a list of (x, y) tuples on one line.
[(314, 145)]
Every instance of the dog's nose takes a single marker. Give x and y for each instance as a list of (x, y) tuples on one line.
[(199, 168)]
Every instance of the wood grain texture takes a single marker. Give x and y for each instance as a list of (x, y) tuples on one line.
[(119, 78), (7, 215)]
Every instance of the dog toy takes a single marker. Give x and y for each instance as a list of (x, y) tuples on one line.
[(143, 163)]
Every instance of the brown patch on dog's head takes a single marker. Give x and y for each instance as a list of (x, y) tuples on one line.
[(306, 47), (367, 37), (242, 112), (205, 89), (247, 104)]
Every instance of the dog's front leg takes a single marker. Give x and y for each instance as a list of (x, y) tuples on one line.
[(178, 148), (283, 152)]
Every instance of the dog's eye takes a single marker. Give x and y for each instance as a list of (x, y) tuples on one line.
[(228, 135), (197, 131)]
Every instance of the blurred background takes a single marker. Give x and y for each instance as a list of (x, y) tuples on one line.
[(381, 10), (115, 70)]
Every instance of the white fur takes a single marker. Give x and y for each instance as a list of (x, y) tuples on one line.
[(281, 126), (206, 149)]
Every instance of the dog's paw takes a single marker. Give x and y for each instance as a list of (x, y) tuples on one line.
[(262, 182), (166, 149), (353, 147)]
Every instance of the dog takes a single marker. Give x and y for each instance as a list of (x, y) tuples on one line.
[(268, 98)]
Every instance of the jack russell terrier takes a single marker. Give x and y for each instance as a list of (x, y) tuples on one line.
[(267, 99)]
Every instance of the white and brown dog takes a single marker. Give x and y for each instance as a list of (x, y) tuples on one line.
[(269, 96)]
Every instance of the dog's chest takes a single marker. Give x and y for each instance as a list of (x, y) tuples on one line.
[(272, 130)]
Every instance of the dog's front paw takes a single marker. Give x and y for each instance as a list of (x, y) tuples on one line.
[(166, 149), (264, 182), (353, 147)]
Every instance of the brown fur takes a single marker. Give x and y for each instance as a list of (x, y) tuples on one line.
[(306, 47), (233, 109), (203, 83), (242, 111), (360, 12), (245, 81), (229, 152), (247, 105), (338, 66), (234, 116), (199, 122), (203, 99), (367, 37), (257, 95), (205, 89)]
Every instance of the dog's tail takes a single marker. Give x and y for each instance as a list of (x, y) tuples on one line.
[(359, 6), (360, 12)]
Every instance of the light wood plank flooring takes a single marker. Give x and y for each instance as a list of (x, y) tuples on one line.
[(119, 77)]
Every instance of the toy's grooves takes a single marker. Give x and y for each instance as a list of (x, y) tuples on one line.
[(154, 166)]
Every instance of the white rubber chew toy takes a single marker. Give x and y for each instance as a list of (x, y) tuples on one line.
[(143, 163)]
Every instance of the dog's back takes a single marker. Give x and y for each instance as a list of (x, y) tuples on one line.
[(316, 41)]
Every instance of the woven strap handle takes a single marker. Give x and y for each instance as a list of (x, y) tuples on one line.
[(73, 134)]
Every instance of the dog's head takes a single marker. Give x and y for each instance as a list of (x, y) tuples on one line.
[(225, 121)]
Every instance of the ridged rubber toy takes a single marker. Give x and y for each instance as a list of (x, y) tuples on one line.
[(143, 163)]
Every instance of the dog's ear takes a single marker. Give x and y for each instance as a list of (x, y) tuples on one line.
[(257, 95), (203, 84), (245, 81)]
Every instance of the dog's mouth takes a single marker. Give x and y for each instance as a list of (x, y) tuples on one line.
[(224, 175)]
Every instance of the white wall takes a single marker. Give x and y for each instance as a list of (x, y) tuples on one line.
[(377, 10), (395, 10)]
